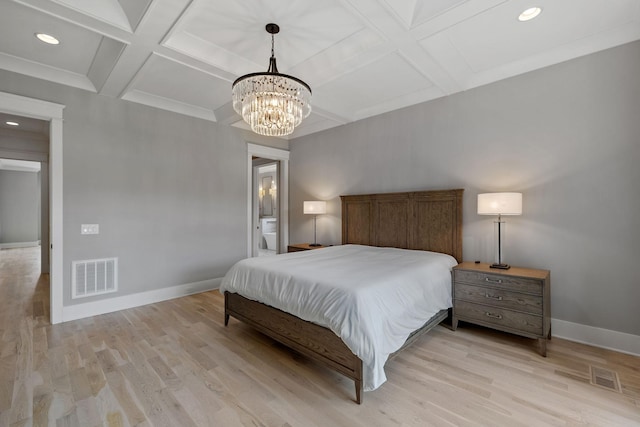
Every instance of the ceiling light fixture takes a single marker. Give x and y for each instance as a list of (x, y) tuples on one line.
[(46, 38), (13, 123), (273, 104), (529, 14)]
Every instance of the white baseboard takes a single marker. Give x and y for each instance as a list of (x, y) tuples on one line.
[(19, 245), (109, 305), (598, 337)]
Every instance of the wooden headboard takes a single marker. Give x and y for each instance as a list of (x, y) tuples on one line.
[(423, 220)]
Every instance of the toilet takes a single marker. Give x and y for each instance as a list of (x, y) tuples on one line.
[(269, 232)]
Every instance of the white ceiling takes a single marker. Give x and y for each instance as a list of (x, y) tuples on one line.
[(360, 57)]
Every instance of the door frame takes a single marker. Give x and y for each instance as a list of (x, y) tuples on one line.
[(283, 192), (44, 110)]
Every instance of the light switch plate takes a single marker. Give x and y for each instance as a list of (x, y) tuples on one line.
[(90, 229)]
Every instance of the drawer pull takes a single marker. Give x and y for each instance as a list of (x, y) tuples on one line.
[(486, 279), (497, 298), (493, 315)]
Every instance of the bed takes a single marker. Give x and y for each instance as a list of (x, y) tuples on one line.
[(374, 223)]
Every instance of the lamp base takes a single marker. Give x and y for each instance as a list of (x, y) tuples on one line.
[(500, 266), (314, 244)]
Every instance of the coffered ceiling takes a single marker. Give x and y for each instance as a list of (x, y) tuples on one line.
[(360, 57)]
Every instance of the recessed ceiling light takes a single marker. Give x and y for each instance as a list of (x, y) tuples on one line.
[(529, 14), (49, 39), (13, 123)]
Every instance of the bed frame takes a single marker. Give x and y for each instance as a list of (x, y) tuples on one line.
[(422, 220)]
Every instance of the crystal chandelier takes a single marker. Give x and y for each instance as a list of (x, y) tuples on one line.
[(273, 104)]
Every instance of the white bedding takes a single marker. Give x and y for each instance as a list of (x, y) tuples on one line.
[(371, 297)]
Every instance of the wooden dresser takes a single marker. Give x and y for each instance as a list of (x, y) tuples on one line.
[(515, 300), (302, 247)]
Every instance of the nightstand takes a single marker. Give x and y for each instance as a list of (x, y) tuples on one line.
[(302, 247), (515, 300)]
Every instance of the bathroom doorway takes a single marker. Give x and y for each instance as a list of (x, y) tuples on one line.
[(267, 200), (266, 207)]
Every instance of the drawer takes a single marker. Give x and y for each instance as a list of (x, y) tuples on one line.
[(499, 318), (499, 298), (496, 281)]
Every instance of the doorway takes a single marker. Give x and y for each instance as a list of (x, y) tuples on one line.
[(265, 207), (52, 114), (267, 199)]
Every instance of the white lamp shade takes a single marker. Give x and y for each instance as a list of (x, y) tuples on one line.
[(315, 207), (500, 204)]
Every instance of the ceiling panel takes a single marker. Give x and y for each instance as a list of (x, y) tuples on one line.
[(360, 57), (109, 11), (183, 89), (487, 40), (232, 34), (416, 12), (18, 26), (169, 79), (376, 83)]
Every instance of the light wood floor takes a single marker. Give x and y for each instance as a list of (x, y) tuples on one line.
[(175, 364)]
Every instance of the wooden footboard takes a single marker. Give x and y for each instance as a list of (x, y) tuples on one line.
[(309, 339)]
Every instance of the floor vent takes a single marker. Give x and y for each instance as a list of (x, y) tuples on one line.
[(605, 378), (94, 277)]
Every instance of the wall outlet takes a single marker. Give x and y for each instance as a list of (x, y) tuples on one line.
[(90, 229)]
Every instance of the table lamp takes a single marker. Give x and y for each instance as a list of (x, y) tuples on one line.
[(315, 208), (500, 204)]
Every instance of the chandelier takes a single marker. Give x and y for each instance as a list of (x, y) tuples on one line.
[(273, 104)]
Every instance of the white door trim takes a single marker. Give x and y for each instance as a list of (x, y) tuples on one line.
[(283, 191), (44, 110)]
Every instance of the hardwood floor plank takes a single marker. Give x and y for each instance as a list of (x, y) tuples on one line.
[(200, 414), (22, 404), (80, 384), (174, 409), (167, 376), (87, 412), (68, 420), (119, 386), (109, 409), (144, 388), (7, 370), (205, 393), (107, 362), (95, 375), (41, 406), (62, 398), (57, 361)]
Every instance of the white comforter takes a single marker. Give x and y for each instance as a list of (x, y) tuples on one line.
[(371, 297)]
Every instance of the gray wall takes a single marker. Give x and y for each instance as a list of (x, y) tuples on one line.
[(168, 191), (19, 206), (567, 137)]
